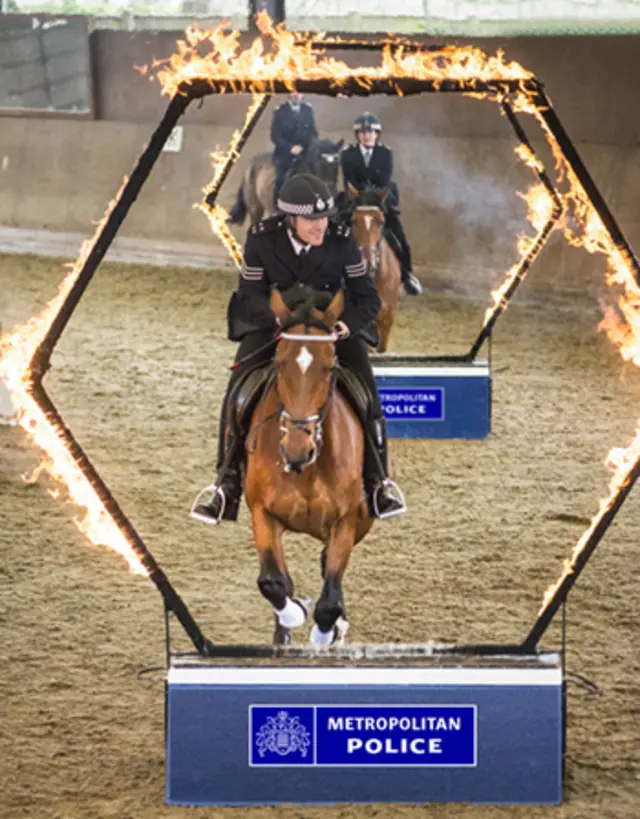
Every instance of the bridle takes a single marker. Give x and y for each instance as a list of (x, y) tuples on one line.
[(372, 252), (316, 420)]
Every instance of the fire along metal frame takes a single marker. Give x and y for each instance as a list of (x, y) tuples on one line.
[(500, 90)]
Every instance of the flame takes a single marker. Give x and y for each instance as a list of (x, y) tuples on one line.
[(584, 228), (541, 207), (17, 349), (292, 58), (218, 220), (526, 155), (222, 161), (621, 461)]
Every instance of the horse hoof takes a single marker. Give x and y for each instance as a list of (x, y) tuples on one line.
[(335, 635), (294, 613), (322, 638)]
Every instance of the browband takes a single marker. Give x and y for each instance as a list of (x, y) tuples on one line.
[(305, 337)]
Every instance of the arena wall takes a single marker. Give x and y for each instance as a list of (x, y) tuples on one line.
[(454, 157)]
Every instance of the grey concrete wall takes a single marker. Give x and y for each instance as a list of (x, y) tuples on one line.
[(454, 157), (592, 81)]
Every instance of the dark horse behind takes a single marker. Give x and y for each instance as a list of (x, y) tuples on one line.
[(322, 159)]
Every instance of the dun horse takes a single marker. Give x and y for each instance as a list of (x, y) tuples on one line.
[(322, 159), (368, 229), (304, 469)]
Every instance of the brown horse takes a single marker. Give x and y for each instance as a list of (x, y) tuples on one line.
[(322, 159), (368, 228), (305, 455)]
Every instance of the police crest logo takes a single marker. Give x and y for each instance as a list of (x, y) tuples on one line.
[(283, 735)]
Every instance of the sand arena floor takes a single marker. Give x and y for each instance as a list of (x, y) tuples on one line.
[(138, 376)]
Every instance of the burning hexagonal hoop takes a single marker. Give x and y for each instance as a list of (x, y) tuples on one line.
[(514, 94)]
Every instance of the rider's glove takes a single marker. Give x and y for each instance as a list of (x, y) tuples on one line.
[(342, 331)]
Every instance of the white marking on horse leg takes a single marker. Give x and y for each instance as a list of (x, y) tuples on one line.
[(294, 613), (304, 360), (335, 635), (322, 638)]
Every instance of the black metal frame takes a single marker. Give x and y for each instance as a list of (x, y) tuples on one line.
[(500, 90)]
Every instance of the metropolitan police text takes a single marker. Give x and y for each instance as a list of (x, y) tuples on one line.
[(415, 724)]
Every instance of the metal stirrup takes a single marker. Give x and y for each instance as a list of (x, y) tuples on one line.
[(395, 493), (214, 490)]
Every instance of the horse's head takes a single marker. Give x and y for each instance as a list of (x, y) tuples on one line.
[(305, 364), (323, 160), (368, 222)]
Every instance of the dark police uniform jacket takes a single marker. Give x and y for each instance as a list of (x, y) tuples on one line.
[(378, 173), (289, 129), (270, 261)]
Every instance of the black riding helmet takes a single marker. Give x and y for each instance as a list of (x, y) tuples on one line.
[(367, 122), (306, 195)]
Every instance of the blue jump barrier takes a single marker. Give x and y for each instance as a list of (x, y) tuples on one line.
[(318, 734), (421, 400)]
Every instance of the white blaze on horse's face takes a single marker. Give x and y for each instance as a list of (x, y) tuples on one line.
[(304, 360), (368, 219)]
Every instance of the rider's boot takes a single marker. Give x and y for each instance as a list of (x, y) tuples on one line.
[(398, 241), (410, 283), (384, 496), (224, 502)]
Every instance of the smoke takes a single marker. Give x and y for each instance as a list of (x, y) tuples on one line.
[(465, 194)]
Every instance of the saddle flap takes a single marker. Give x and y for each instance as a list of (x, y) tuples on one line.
[(247, 394), (356, 392)]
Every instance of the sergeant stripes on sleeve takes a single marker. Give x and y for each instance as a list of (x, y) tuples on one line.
[(251, 274), (354, 270)]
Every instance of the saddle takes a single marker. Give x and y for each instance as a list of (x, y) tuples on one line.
[(246, 395), (250, 389), (356, 392), (393, 242)]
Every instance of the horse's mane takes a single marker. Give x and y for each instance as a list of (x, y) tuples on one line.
[(369, 196), (324, 146), (303, 301), (314, 163)]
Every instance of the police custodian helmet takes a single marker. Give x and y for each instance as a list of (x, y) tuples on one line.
[(367, 122), (306, 195)]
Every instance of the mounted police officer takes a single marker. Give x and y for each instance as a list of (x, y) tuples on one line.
[(293, 129), (302, 246), (370, 164)]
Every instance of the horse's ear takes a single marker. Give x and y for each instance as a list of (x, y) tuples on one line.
[(334, 310), (352, 191), (278, 307), (382, 193)]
